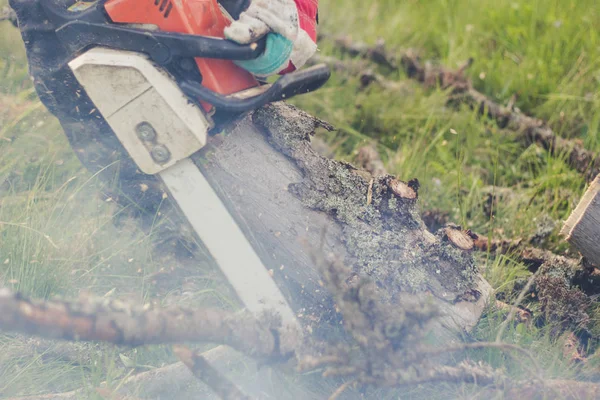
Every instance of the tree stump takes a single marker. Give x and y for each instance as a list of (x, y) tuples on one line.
[(582, 229)]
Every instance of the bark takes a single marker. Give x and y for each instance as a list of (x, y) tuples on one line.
[(291, 198), (582, 229), (291, 203)]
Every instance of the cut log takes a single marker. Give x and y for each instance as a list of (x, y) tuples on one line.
[(289, 200), (582, 229)]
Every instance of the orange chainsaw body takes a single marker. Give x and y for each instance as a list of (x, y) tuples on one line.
[(195, 17)]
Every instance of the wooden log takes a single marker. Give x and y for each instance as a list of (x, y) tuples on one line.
[(289, 200), (582, 229)]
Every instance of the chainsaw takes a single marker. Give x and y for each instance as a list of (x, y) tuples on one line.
[(161, 77)]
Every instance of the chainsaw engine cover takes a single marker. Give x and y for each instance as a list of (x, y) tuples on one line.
[(153, 119)]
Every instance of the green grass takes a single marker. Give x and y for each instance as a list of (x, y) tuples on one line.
[(57, 235)]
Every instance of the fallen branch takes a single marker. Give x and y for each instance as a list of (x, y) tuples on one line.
[(531, 130), (581, 273), (124, 324), (564, 286), (498, 246)]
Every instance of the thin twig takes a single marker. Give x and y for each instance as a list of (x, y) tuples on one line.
[(338, 392)]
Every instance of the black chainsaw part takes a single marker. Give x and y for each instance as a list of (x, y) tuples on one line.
[(92, 27), (287, 86)]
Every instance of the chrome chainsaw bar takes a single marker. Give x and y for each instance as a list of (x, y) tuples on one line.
[(160, 128)]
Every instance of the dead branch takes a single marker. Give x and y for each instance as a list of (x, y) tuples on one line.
[(498, 246), (202, 370), (338, 392), (91, 319), (8, 14), (532, 257), (529, 129), (565, 287)]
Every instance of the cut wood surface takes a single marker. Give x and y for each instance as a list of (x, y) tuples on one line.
[(582, 229)]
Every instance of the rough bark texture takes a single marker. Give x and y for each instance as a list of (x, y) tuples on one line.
[(113, 321), (583, 226), (284, 194)]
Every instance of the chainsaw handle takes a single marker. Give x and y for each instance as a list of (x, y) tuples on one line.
[(162, 47), (80, 30), (290, 85)]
